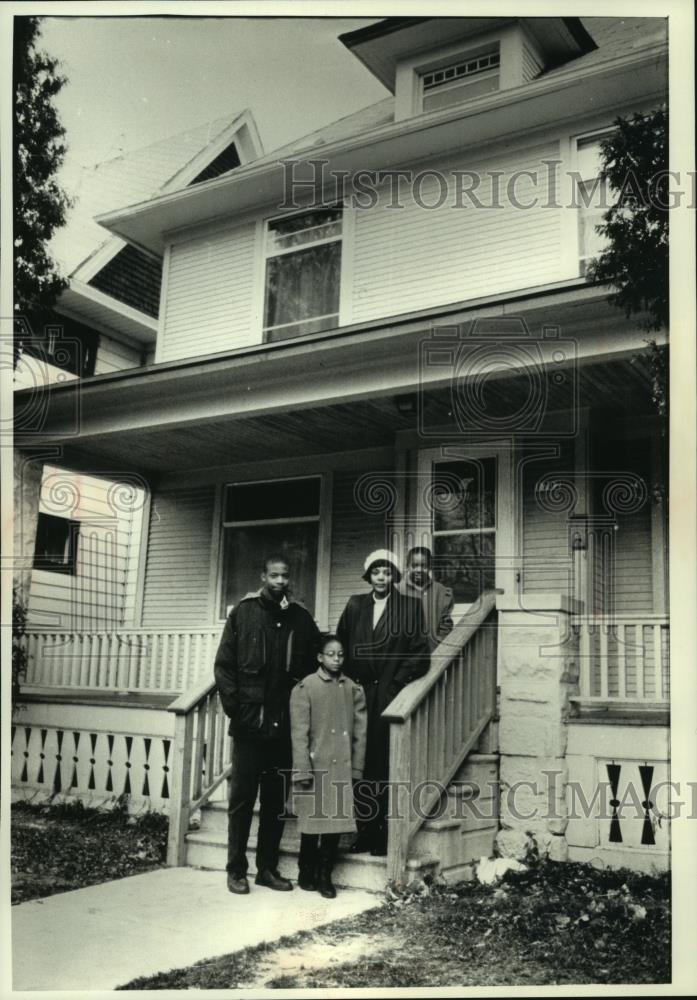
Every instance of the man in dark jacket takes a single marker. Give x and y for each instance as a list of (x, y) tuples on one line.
[(386, 646), (268, 644)]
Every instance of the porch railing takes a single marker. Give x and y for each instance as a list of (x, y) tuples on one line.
[(120, 660), (436, 721), (201, 760), (624, 659)]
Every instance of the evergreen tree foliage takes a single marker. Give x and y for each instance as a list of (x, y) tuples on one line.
[(39, 202), (635, 261)]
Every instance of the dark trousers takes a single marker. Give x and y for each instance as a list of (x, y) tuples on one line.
[(257, 765), (371, 801), (317, 849)]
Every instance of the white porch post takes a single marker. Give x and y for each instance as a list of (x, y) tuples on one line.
[(538, 671)]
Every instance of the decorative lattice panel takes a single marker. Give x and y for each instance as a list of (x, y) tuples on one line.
[(93, 763), (636, 804)]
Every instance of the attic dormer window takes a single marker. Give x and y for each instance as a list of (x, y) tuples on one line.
[(472, 75)]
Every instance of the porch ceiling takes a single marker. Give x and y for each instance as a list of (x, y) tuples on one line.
[(338, 391), (621, 387)]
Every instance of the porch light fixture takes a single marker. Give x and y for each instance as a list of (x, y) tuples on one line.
[(406, 404)]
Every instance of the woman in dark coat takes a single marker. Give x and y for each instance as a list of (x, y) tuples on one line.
[(386, 645)]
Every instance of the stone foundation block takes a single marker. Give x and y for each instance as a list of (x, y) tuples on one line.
[(513, 844), (531, 730), (558, 849)]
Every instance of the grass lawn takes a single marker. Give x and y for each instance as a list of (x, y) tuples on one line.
[(58, 848), (554, 924)]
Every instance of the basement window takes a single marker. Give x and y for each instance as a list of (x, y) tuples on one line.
[(471, 76), (56, 544), (303, 273)]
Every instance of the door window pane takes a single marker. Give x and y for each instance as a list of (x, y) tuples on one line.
[(465, 563), (463, 495)]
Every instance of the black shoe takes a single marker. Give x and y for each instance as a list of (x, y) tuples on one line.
[(307, 881), (361, 845), (325, 885), (238, 884), (272, 880)]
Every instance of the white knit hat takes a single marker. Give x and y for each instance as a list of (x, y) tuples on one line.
[(382, 556)]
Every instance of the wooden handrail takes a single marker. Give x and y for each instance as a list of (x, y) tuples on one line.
[(436, 721), (188, 700), (402, 706), (200, 762)]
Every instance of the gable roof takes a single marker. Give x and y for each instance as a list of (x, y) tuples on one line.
[(135, 176)]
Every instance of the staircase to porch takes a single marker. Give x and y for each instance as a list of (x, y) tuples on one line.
[(443, 766), (462, 833)]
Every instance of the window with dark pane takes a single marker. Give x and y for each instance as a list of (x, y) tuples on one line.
[(278, 516), (264, 501), (56, 544), (244, 552), (66, 344)]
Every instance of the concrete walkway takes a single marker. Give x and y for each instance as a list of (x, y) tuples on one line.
[(104, 936)]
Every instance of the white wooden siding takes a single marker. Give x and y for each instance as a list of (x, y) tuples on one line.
[(355, 533), (177, 571), (634, 581), (101, 592), (395, 260), (546, 547), (546, 555), (113, 356), (417, 258), (210, 295), (531, 64)]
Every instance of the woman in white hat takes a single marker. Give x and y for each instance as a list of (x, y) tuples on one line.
[(386, 646)]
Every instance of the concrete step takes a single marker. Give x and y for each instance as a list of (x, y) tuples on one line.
[(462, 829), (355, 871)]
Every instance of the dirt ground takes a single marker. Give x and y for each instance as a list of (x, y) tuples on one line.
[(59, 848)]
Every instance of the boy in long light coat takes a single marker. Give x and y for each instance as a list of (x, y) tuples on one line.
[(328, 720)]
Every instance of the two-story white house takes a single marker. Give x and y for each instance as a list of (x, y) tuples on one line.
[(380, 334)]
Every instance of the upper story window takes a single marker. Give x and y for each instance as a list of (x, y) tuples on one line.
[(303, 273), (593, 197), (471, 76)]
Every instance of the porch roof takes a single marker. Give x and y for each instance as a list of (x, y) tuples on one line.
[(341, 390)]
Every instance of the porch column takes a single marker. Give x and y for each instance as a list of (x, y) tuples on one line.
[(28, 470), (538, 670)]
